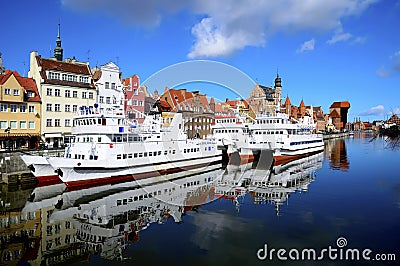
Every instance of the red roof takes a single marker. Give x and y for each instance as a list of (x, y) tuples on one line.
[(97, 75), (344, 104), (287, 101), (302, 103), (70, 67), (28, 84)]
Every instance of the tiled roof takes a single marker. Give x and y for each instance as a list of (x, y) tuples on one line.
[(287, 101), (344, 104), (97, 75), (73, 67), (28, 84)]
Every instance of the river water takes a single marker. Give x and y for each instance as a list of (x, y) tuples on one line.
[(341, 206)]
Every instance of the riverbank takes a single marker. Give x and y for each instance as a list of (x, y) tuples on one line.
[(335, 135)]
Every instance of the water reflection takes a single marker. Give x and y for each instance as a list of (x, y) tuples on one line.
[(335, 151), (56, 225)]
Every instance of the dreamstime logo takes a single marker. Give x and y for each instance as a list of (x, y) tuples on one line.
[(329, 253)]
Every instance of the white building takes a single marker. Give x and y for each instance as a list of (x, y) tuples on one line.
[(110, 95)]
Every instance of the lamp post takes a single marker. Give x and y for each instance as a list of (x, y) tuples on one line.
[(7, 130)]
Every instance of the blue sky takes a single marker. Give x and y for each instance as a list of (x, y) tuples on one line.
[(325, 51)]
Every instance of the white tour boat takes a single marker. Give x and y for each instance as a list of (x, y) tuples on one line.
[(41, 169), (106, 149), (288, 138)]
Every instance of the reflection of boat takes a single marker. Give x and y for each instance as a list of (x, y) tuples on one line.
[(105, 149), (294, 176), (43, 196), (107, 219)]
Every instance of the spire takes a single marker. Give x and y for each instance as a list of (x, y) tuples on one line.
[(278, 81), (2, 68), (58, 51), (302, 103), (287, 101)]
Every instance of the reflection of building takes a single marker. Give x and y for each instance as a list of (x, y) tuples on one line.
[(20, 111), (336, 151)]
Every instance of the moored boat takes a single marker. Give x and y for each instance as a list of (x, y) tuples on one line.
[(107, 149)]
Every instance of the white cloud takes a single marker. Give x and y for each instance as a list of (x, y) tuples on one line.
[(339, 36), (378, 110), (307, 46), (394, 68), (383, 72), (227, 26)]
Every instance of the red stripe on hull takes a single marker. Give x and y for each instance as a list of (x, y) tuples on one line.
[(48, 180), (284, 159), (125, 178), (245, 159)]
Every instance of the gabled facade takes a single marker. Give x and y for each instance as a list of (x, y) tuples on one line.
[(196, 110), (20, 106), (266, 100), (138, 100), (64, 86), (110, 95)]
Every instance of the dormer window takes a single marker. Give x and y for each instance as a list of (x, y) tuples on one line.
[(30, 94), (53, 75)]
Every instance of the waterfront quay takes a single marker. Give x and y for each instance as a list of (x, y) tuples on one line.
[(14, 171)]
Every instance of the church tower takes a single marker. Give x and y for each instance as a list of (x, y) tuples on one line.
[(278, 90), (58, 51)]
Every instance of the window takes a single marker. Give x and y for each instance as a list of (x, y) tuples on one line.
[(101, 99), (75, 94), (107, 84), (49, 92), (57, 122), (3, 107), (13, 124), (114, 100), (48, 123), (30, 94), (31, 109), (22, 124), (67, 94), (16, 92), (7, 91), (140, 103), (84, 94), (57, 92), (53, 75), (22, 108), (113, 86), (48, 107), (74, 108), (90, 95), (108, 100), (64, 76), (135, 91), (67, 108), (134, 102), (84, 79), (3, 124), (13, 108), (57, 107), (31, 125), (67, 122)]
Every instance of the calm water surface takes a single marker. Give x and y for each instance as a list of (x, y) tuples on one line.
[(350, 192)]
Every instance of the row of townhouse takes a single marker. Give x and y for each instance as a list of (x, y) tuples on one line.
[(39, 109)]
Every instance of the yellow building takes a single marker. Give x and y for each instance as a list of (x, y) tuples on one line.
[(20, 106), (64, 87)]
